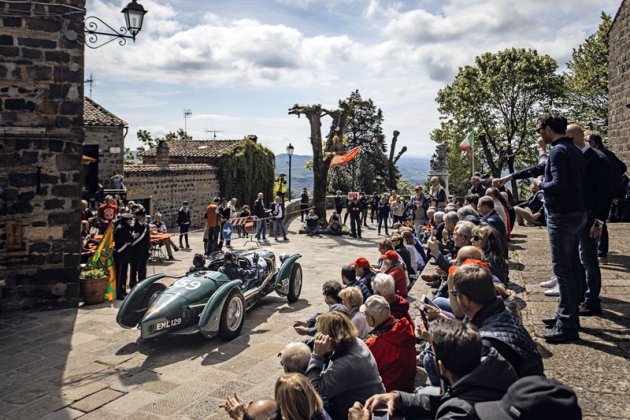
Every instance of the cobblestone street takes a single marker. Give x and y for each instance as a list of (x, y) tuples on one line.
[(74, 363)]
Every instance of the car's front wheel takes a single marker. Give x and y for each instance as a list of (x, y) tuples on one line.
[(295, 283), (232, 315)]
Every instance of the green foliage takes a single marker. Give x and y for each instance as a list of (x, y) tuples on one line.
[(587, 80), (363, 128), (500, 97), (130, 159), (246, 171), (148, 142), (405, 187), (93, 273)]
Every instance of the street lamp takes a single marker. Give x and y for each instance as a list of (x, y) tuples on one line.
[(290, 150), (134, 17)]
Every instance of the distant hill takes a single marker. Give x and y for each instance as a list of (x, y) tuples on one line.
[(414, 168)]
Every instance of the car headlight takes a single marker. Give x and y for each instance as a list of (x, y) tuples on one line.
[(284, 257)]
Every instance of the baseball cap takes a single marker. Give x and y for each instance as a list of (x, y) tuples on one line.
[(390, 255), (533, 397), (453, 268), (361, 262), (375, 306), (419, 187)]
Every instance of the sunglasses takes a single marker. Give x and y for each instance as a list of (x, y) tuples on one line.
[(453, 292), (538, 130)]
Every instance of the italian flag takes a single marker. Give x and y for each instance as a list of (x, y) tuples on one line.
[(469, 142)]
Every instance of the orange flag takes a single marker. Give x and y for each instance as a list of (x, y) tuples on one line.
[(343, 159)]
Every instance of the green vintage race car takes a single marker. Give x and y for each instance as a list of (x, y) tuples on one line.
[(207, 301)]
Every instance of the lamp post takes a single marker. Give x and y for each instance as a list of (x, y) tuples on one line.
[(134, 17), (290, 150)]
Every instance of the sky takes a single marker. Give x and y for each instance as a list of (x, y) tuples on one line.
[(240, 65)]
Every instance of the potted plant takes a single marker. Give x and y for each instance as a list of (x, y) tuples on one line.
[(93, 285)]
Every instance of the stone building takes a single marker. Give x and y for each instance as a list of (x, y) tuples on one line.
[(104, 141), (193, 151), (41, 109), (619, 84), (162, 186)]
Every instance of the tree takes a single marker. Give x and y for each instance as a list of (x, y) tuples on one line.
[(501, 97), (390, 163), (323, 152), (148, 142), (405, 187), (130, 158), (587, 80)]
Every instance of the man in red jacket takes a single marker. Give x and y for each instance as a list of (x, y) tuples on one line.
[(393, 345)]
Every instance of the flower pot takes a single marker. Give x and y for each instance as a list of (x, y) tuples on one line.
[(93, 290)]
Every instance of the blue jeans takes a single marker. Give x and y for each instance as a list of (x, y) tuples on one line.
[(309, 229), (277, 224), (445, 305), (262, 228), (332, 231), (564, 231), (591, 278), (429, 365)]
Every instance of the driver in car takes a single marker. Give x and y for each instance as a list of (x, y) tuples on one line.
[(234, 271)]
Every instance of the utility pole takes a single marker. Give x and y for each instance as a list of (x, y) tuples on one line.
[(215, 132), (91, 80)]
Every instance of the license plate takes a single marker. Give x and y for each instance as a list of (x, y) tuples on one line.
[(168, 324)]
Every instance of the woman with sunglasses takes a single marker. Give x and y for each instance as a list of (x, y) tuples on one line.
[(487, 239)]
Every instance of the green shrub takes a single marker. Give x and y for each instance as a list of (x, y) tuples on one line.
[(93, 273)]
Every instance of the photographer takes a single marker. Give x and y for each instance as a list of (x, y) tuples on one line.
[(281, 186)]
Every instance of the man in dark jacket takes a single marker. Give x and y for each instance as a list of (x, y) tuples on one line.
[(618, 168), (527, 210), (472, 294), (402, 250), (140, 249), (598, 194), (331, 291), (349, 279), (338, 202), (123, 238), (374, 206), (467, 378), (355, 209), (383, 214), (261, 213), (364, 273), (477, 187), (365, 202), (491, 217), (183, 220)]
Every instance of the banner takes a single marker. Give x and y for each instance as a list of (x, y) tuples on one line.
[(343, 159), (103, 258)]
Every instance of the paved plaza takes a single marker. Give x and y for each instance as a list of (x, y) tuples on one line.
[(74, 363)]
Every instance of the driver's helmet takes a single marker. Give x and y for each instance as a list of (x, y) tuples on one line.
[(231, 256), (283, 257), (199, 260)]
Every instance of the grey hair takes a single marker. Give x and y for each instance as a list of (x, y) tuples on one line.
[(466, 211), (158, 215), (384, 285), (295, 357), (594, 136), (465, 229), (451, 217), (439, 215)]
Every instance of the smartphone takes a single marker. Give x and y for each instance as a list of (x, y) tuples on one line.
[(425, 321), (380, 413), (428, 302)]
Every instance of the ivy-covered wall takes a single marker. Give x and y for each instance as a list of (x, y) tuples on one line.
[(246, 171)]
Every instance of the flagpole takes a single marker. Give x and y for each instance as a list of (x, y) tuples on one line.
[(472, 148)]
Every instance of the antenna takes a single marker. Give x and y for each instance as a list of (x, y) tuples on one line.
[(187, 114), (91, 80), (215, 132)]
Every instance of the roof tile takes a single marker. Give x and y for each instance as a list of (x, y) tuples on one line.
[(176, 167), (195, 148), (96, 115)]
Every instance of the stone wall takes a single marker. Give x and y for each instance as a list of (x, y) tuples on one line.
[(107, 138), (619, 85), (41, 109), (167, 189)]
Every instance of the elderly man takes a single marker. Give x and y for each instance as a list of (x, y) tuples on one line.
[(462, 235), (417, 207), (467, 211), (383, 285), (491, 217), (158, 226), (257, 410), (261, 212), (437, 194), (312, 226), (477, 187), (277, 211), (294, 358), (393, 345), (334, 224), (530, 210)]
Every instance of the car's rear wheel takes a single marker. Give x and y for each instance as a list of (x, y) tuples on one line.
[(295, 283), (232, 315), (152, 294)]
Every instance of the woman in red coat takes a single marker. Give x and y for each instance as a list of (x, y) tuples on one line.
[(394, 268)]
